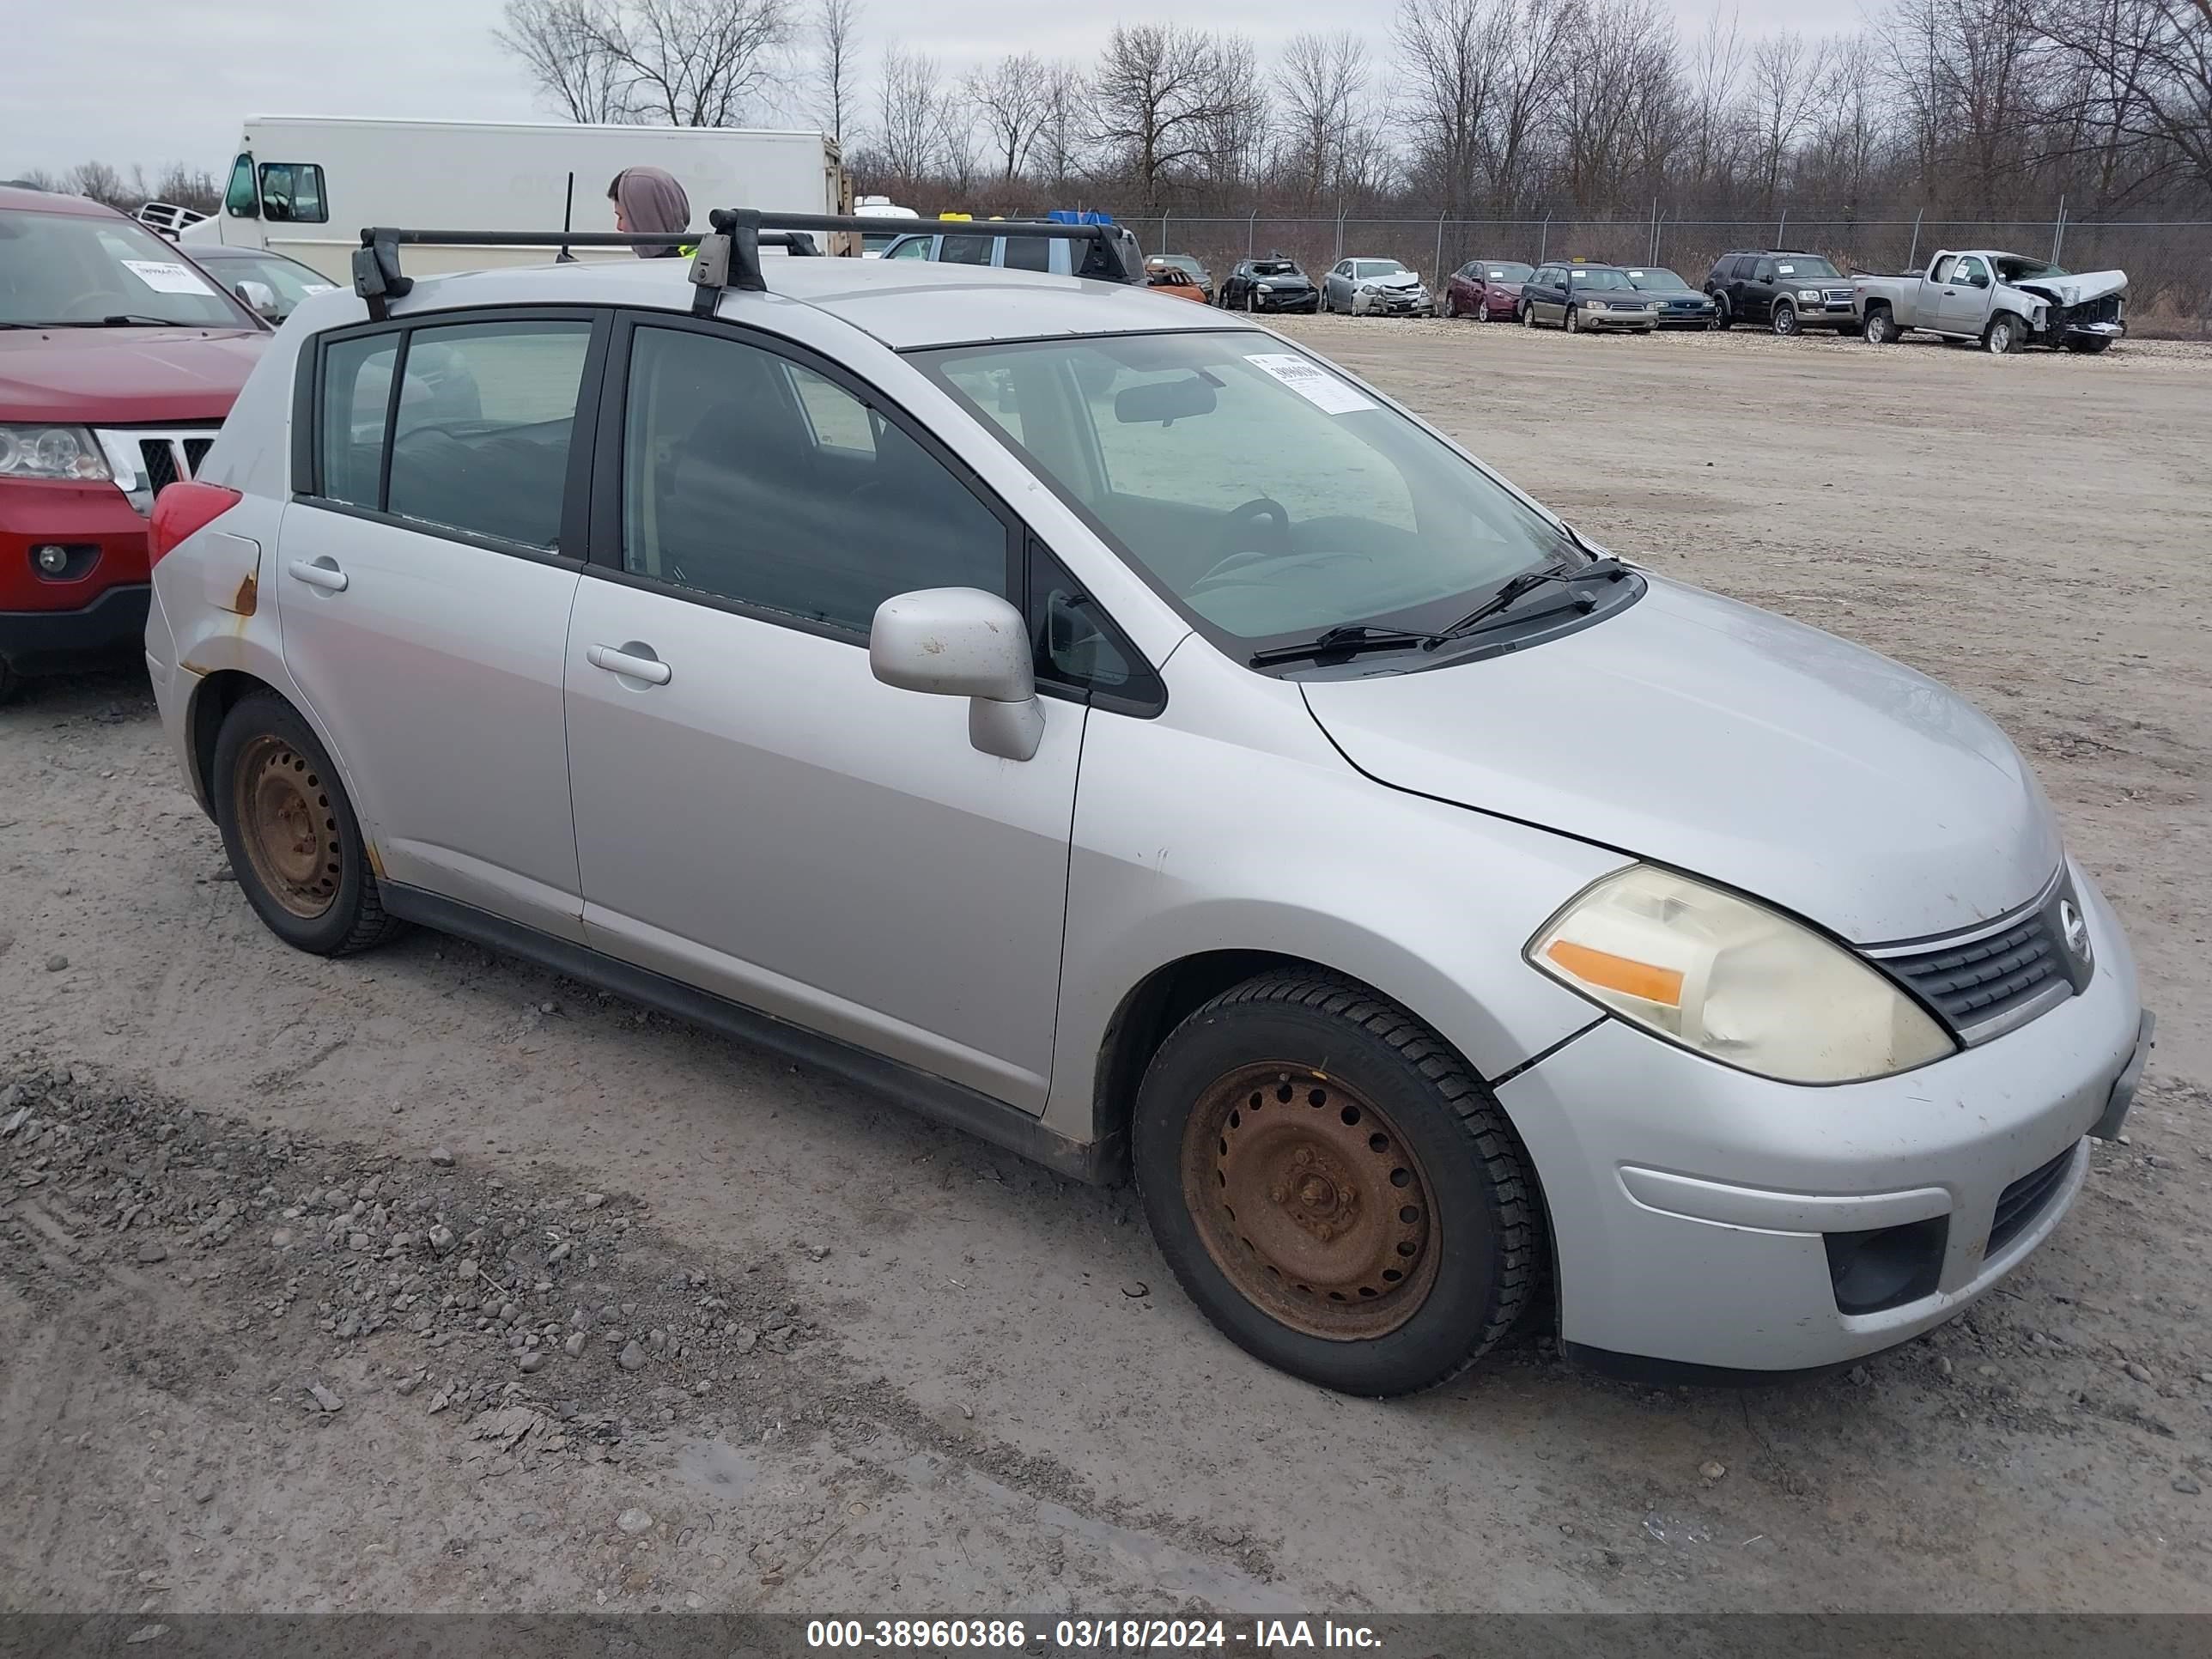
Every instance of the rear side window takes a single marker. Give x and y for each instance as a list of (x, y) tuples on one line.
[(966, 250), (478, 440), (1027, 253), (292, 194)]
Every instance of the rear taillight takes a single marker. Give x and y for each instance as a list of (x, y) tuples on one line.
[(182, 508)]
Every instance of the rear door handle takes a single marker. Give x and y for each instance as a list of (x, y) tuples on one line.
[(650, 669), (322, 573)]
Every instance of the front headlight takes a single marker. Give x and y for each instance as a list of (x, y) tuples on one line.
[(69, 453), (1733, 981), (1809, 294), (1595, 305), (1265, 288)]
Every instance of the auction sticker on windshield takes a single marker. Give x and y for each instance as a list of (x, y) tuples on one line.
[(1324, 391), (167, 277)]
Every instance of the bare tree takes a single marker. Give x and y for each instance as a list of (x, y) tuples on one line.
[(1785, 84), (909, 122), (673, 63), (2148, 78), (1012, 101), (563, 46), (105, 185), (1157, 99), (1716, 72), (1615, 99), (835, 26), (1321, 83), (1446, 53), (1061, 130)]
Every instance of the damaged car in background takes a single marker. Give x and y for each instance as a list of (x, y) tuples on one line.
[(2007, 302)]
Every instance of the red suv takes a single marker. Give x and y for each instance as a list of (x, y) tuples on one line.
[(118, 358)]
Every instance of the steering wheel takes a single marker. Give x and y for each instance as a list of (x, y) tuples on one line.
[(1237, 544)]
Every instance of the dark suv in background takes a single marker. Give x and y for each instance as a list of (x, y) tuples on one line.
[(1787, 289)]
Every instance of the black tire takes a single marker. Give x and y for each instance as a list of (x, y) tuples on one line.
[(1573, 322), (1721, 318), (1785, 319), (353, 918), (1527, 315), (1881, 327), (11, 682), (2088, 348), (2005, 335), (1488, 1239)]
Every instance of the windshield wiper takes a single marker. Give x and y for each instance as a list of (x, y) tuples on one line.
[(1521, 587), (1342, 640)]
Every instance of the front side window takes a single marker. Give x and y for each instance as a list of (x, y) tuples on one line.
[(914, 247), (1971, 269), (98, 269), (292, 194), (481, 442), (748, 478), (1263, 494), (239, 200)]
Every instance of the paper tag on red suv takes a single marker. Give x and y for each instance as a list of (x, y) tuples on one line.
[(168, 276), (1320, 389)]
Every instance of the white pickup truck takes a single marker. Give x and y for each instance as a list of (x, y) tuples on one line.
[(2006, 301)]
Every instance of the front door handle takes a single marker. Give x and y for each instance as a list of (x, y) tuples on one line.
[(626, 662), (323, 573)]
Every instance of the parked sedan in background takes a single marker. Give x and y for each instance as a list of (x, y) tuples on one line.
[(1680, 306), (1373, 287), (1269, 285), (1488, 290), (286, 282), (1190, 265), (1576, 297)]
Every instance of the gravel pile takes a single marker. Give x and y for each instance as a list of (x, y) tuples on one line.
[(563, 1302)]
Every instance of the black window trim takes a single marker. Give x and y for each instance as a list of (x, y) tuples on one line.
[(603, 547), (307, 427)]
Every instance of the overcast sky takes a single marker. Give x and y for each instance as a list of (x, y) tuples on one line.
[(132, 80)]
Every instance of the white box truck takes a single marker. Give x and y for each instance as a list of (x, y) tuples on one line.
[(306, 185)]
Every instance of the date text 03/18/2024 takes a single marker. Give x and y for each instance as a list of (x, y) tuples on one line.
[(1257, 1636)]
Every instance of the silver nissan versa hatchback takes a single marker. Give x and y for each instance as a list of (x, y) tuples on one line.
[(1108, 727)]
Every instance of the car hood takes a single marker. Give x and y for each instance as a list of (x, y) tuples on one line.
[(1731, 744), (1671, 295), (1396, 279), (98, 376), (2076, 290)]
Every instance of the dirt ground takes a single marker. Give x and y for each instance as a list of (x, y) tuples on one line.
[(426, 1281)]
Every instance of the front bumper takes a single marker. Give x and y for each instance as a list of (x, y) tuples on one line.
[(2093, 331), (1628, 320), (1298, 300), (1694, 1208), (99, 602), (1686, 316), (1390, 302), (1826, 314)]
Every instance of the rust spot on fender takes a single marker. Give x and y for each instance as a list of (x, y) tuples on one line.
[(192, 668), (376, 861), (248, 594)]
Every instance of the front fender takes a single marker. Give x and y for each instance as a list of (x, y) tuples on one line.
[(1186, 842)]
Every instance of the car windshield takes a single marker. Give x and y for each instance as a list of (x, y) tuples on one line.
[(2015, 267), (1805, 265), (1507, 272), (290, 280), (1276, 267), (1264, 494), (63, 269), (1600, 279), (1656, 279), (1181, 261), (1376, 267)]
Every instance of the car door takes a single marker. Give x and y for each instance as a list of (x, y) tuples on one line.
[(1340, 285), (756, 813), (1549, 299), (425, 571), (1758, 292), (1962, 302)]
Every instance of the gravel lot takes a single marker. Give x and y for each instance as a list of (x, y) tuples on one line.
[(295, 1256)]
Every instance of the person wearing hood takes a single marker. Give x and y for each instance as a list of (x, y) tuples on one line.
[(649, 201)]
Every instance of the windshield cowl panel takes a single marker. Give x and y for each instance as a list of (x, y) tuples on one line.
[(1264, 494)]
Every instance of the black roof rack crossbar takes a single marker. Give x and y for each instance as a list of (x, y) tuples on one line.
[(728, 255)]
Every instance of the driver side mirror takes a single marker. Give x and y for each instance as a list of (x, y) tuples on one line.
[(259, 299), (963, 642)]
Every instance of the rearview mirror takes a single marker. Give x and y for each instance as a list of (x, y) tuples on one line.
[(1164, 401), (963, 642), (258, 298)]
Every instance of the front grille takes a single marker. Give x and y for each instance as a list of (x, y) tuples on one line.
[(1838, 296), (147, 461), (2020, 1204), (1985, 983), (1969, 983), (2104, 309)]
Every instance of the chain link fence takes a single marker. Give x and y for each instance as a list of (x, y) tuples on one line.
[(2168, 262)]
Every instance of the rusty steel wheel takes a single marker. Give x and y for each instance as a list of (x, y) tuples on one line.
[(293, 840), (1310, 1201), (289, 826)]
